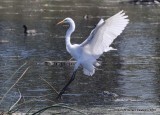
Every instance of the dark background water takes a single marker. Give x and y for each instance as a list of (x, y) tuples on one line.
[(132, 72)]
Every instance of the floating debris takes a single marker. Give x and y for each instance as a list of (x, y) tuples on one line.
[(59, 63), (155, 57), (109, 95), (4, 41), (128, 98)]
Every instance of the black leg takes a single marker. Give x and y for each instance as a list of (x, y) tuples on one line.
[(65, 87)]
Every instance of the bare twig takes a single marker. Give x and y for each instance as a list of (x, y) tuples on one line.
[(28, 112), (20, 96), (49, 85), (29, 101), (58, 105), (14, 85), (16, 71), (71, 58)]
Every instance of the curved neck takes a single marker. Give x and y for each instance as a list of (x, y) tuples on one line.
[(69, 32), (25, 29)]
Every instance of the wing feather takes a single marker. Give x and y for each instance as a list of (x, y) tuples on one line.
[(103, 35), (91, 34)]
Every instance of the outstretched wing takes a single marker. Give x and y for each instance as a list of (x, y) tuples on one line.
[(102, 36), (90, 36)]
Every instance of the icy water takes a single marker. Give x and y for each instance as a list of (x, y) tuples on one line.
[(131, 72)]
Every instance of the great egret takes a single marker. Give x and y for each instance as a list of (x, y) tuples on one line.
[(29, 32), (99, 41)]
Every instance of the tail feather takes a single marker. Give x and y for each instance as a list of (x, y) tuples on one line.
[(97, 64), (89, 66), (88, 73)]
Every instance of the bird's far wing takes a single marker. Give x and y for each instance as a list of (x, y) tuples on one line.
[(100, 22), (102, 37), (91, 34)]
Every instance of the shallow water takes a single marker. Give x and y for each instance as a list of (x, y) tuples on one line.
[(131, 72)]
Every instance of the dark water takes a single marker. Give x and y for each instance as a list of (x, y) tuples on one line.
[(131, 72)]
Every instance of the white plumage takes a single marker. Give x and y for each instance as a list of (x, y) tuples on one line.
[(99, 41)]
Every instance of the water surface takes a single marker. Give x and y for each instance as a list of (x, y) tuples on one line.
[(131, 72)]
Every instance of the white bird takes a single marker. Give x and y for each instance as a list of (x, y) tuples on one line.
[(29, 32), (99, 41)]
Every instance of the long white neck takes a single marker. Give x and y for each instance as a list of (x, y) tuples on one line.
[(69, 32)]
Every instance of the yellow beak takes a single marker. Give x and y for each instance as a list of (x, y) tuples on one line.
[(61, 22)]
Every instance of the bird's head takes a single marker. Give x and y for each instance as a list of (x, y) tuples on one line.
[(66, 21), (24, 26)]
